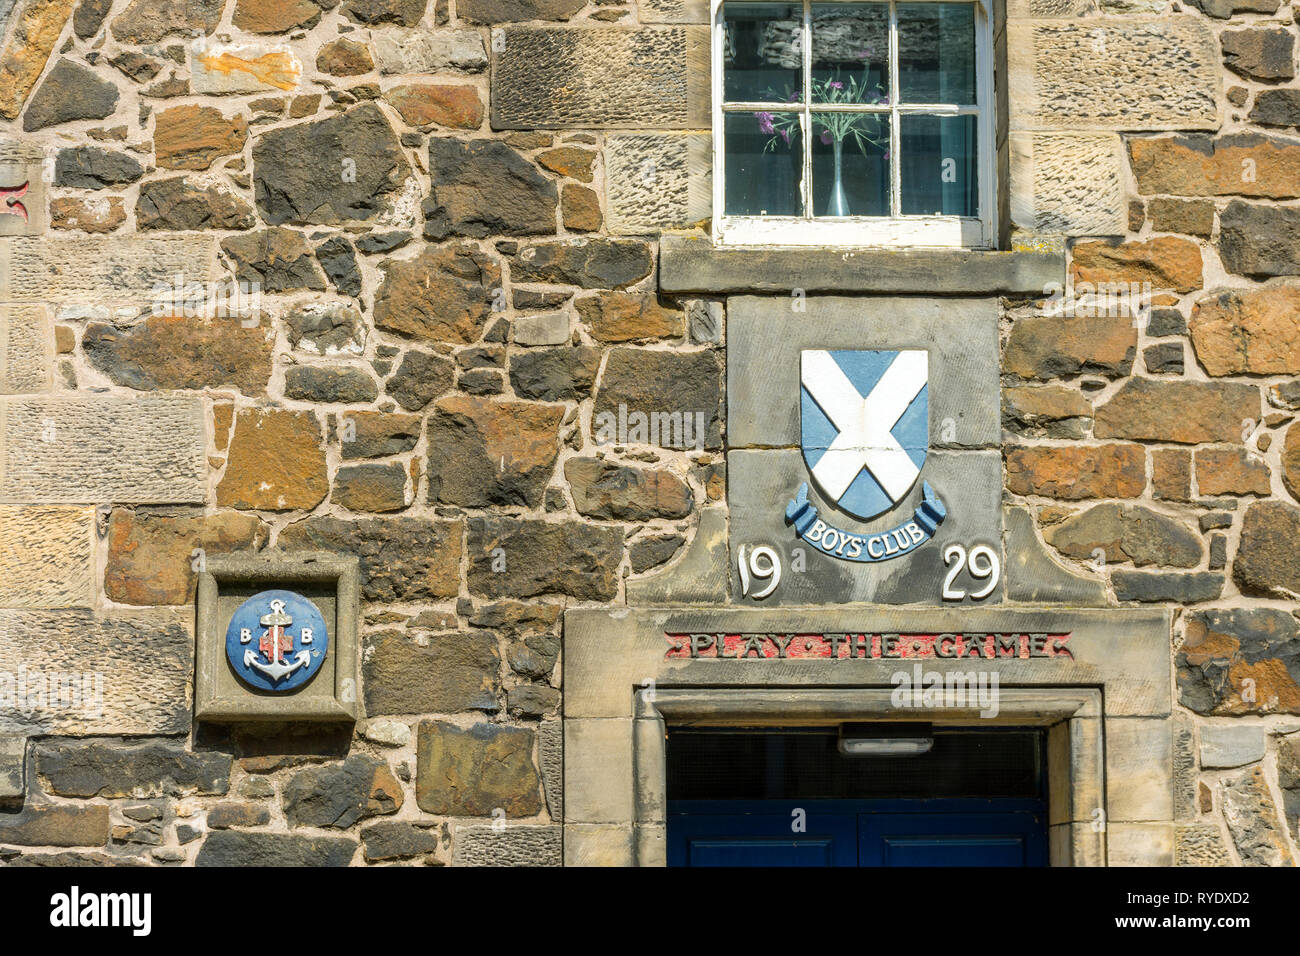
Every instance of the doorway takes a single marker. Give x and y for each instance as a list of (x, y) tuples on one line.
[(770, 796)]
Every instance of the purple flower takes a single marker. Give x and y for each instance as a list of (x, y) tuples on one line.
[(886, 154), (765, 123), (826, 137), (835, 85), (866, 54), (793, 97), (785, 135)]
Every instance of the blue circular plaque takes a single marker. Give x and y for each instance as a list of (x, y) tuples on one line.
[(276, 641)]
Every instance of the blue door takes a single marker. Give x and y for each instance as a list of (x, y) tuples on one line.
[(950, 832)]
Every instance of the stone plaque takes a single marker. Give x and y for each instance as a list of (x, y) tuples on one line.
[(22, 191), (864, 462), (278, 639)]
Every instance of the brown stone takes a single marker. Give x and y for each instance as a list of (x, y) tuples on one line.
[(603, 489), (234, 814), (36, 30), (370, 487), (378, 434), (580, 207), (1268, 554), (192, 137), (1231, 471), (1239, 661), (60, 825), (276, 16), (484, 453), (522, 558), (1192, 217), (344, 57), (1291, 460), (276, 462), (1201, 165), (451, 673), (1046, 411), (569, 161), (1047, 347), (1171, 474), (627, 317), (445, 294), (444, 104), (1074, 472), (473, 771), (402, 559), (1126, 533), (176, 351), (155, 559), (1248, 331), (97, 214), (1166, 262), (1176, 411), (148, 21), (182, 205)]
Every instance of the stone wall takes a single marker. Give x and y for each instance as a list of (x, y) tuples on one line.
[(442, 311), (449, 210), (1156, 450)]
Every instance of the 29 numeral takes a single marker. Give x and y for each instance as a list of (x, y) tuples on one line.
[(981, 563)]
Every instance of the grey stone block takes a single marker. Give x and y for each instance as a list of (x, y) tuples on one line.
[(658, 180), (698, 576), (74, 451), (1200, 845), (1231, 746), (578, 78), (550, 758), (510, 846), (130, 692), (102, 270), (13, 759), (761, 482), (690, 262), (1034, 576), (26, 350), (1121, 73), (765, 338)]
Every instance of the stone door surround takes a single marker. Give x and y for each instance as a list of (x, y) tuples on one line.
[(1106, 707)]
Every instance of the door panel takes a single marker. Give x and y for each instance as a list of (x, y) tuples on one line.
[(858, 833), (726, 834), (952, 839)]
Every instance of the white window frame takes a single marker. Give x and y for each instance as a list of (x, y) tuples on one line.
[(914, 231)]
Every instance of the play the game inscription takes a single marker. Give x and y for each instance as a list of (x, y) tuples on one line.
[(880, 646)]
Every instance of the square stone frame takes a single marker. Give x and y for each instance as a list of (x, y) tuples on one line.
[(275, 570), (1106, 712)]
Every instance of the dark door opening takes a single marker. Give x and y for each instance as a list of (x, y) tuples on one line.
[(789, 797)]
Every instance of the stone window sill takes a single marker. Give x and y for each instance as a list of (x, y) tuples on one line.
[(691, 263)]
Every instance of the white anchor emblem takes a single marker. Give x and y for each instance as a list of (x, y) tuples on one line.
[(276, 644)]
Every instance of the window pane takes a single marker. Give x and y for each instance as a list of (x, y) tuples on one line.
[(850, 53), (763, 63), (936, 53), (764, 156), (938, 171), (860, 187)]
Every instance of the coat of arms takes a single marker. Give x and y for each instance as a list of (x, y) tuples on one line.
[(276, 641), (865, 435)]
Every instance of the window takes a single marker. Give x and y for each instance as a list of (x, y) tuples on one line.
[(877, 130)]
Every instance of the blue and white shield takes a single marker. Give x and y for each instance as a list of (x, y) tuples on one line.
[(865, 425)]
